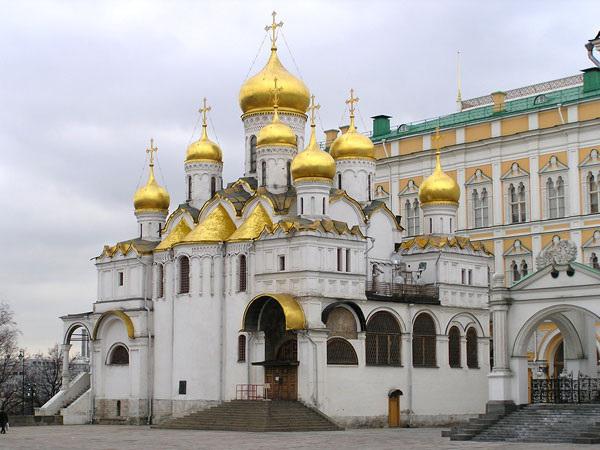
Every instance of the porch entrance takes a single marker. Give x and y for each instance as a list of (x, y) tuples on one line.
[(282, 382), (566, 389)]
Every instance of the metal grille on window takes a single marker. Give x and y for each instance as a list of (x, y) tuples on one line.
[(341, 352), (184, 275), (288, 351), (454, 347), (424, 341), (119, 356), (241, 348), (383, 341), (472, 358), (243, 274)]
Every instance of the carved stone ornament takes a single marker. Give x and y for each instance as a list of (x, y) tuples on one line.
[(559, 254)]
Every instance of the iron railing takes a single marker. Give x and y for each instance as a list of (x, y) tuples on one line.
[(403, 292), (251, 391), (566, 390)]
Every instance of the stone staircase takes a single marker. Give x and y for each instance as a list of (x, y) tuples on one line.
[(567, 423), (254, 415)]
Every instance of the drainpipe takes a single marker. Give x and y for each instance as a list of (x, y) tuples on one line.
[(372, 239), (149, 390), (410, 368), (562, 119)]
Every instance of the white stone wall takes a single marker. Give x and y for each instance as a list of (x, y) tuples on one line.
[(201, 174)]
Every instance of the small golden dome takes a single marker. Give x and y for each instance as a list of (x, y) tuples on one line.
[(256, 92), (352, 145), (152, 196), (203, 149), (276, 133), (313, 163), (439, 187)]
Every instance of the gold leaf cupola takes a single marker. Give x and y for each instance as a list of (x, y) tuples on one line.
[(204, 150), (151, 197), (439, 187), (276, 133), (352, 144), (312, 163), (255, 93)]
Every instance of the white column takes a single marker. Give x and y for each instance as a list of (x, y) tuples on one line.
[(574, 185), (534, 187), (65, 366), (498, 194), (462, 210), (463, 351), (442, 351)]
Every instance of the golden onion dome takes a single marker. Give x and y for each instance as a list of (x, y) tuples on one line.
[(203, 149), (439, 187), (352, 145), (256, 92), (313, 163), (151, 197), (276, 133)]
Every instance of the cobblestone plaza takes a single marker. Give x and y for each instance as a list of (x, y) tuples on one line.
[(98, 437)]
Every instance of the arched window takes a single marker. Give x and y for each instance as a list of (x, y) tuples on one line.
[(189, 187), (288, 351), (480, 208), (594, 261), (160, 292), (119, 356), (184, 275), (524, 268), (472, 357), (454, 347), (340, 263), (323, 205), (516, 198), (594, 193), (243, 274), (348, 260), (288, 172), (383, 340), (424, 345), (339, 177), (514, 269), (252, 153), (341, 352), (301, 205), (411, 211), (263, 173), (213, 186), (241, 348)]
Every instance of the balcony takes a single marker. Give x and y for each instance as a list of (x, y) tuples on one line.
[(424, 294)]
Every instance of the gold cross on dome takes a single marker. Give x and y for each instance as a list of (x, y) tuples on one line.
[(437, 139), (351, 101), (275, 92), (151, 151), (273, 27), (205, 108), (313, 109)]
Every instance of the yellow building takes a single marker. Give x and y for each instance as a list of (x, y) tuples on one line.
[(527, 162)]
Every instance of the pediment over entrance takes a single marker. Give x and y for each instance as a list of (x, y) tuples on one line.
[(581, 278)]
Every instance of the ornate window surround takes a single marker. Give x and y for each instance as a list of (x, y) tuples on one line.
[(590, 164), (410, 193), (477, 182), (514, 176), (553, 169), (517, 253)]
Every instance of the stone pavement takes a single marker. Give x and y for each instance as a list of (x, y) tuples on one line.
[(107, 437)]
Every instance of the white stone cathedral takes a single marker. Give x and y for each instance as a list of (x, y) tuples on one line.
[(290, 283)]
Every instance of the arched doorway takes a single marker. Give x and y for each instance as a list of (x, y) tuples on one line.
[(394, 408), (279, 317)]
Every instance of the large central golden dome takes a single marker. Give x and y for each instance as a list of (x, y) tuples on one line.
[(256, 93)]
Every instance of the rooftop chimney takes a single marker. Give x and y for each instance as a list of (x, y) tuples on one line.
[(330, 136), (498, 98), (381, 125), (344, 128)]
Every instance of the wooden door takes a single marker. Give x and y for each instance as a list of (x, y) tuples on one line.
[(394, 411), (283, 382)]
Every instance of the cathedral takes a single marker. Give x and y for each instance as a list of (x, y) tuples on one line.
[(290, 283)]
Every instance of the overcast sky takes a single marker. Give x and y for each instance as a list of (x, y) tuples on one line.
[(85, 85)]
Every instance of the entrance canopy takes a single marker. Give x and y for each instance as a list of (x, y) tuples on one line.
[(292, 311)]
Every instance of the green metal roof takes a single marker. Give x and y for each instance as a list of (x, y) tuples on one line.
[(512, 107)]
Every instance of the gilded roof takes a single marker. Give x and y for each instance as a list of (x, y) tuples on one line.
[(440, 242), (253, 226), (280, 202), (140, 246), (216, 227), (325, 225), (176, 235)]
